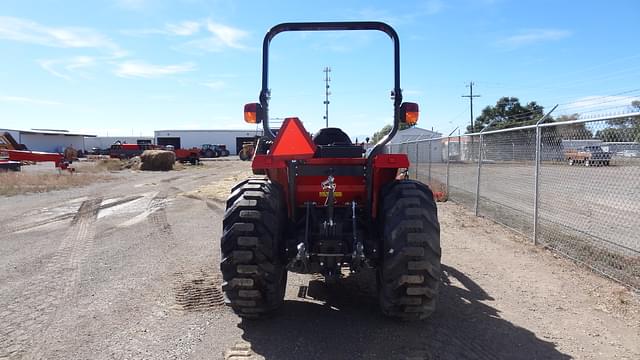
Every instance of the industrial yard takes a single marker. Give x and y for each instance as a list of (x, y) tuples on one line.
[(114, 269), (440, 180)]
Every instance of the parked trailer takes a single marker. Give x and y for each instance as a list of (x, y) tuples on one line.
[(127, 151), (191, 156), (8, 165), (38, 156)]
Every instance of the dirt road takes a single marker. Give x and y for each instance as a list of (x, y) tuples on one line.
[(129, 269)]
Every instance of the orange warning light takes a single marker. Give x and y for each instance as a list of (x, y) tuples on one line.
[(409, 113)]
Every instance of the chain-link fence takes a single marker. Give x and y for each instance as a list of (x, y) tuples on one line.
[(571, 186)]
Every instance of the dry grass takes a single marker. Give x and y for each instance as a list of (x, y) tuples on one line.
[(111, 165), (14, 183), (439, 190), (219, 190), (107, 165)]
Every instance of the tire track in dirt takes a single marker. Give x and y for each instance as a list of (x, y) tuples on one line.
[(194, 290), (11, 226), (32, 313)]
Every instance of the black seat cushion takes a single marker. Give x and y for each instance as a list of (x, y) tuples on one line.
[(331, 136), (335, 143)]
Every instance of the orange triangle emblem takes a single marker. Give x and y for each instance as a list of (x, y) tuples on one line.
[(293, 142)]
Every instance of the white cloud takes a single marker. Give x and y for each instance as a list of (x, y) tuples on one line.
[(140, 69), (228, 35), (531, 36), (65, 68), (185, 28), (221, 37), (27, 100), (215, 85), (218, 36), (433, 7), (23, 30)]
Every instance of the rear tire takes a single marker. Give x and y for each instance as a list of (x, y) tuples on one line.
[(409, 276), (252, 251)]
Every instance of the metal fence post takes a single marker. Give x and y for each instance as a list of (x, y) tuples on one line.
[(477, 205), (537, 186), (430, 160), (446, 188), (417, 158), (536, 191), (449, 159)]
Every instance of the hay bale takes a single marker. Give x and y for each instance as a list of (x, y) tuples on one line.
[(157, 160)]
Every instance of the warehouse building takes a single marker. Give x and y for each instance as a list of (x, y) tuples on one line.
[(185, 139), (49, 140)]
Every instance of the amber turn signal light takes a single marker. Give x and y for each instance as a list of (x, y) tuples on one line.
[(253, 113), (409, 113)]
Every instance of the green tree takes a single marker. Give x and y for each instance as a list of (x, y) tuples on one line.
[(624, 129), (572, 131), (384, 131), (507, 113)]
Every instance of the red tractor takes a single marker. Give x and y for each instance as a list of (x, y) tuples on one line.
[(320, 205)]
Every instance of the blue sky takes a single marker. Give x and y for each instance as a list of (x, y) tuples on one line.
[(127, 67)]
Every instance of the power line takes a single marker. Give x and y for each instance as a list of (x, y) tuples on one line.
[(608, 96), (471, 96), (577, 108)]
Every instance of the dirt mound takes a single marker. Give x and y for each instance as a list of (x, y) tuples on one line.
[(157, 160)]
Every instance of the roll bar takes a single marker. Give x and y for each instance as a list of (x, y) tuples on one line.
[(333, 26)]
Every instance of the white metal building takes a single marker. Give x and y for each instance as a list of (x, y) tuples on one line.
[(195, 138), (49, 140)]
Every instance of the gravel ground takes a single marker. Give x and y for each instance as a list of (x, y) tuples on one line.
[(129, 269)]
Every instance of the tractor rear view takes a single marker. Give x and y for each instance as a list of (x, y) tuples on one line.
[(319, 205)]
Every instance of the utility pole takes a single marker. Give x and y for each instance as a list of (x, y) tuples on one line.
[(327, 79), (471, 96)]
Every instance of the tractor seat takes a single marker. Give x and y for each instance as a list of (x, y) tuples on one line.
[(335, 143)]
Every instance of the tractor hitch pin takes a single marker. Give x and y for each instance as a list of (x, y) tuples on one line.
[(303, 254), (329, 186)]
